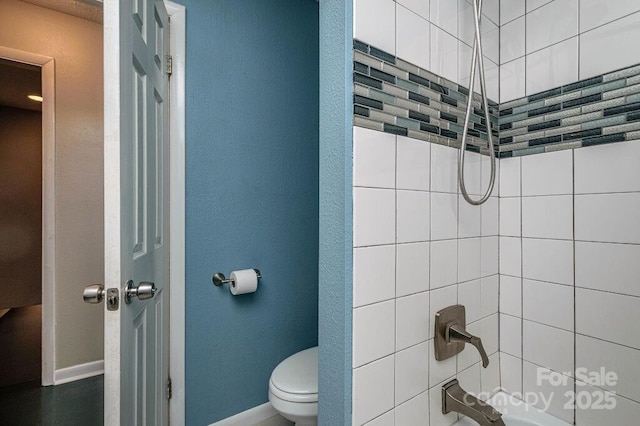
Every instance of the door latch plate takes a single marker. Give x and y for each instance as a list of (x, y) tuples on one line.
[(113, 299)]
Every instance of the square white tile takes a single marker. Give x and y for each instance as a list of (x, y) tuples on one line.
[(386, 419), (444, 216), (469, 219), (490, 332), (373, 158), (413, 164), (548, 347), (511, 373), (469, 295), (374, 270), (510, 177), (510, 217), (594, 13), (489, 248), (592, 355), (444, 50), (469, 259), (374, 217), (444, 169), (490, 376), (608, 267), (374, 22), (412, 272), (444, 263), (470, 379), (513, 81), (413, 216), (554, 22), (548, 173), (489, 217), (608, 168), (444, 14), (550, 304), (558, 397), (440, 371), (511, 335), (489, 297), (608, 316), (552, 66), (414, 412), (512, 35), (373, 332), (596, 55), (412, 372), (373, 388), (412, 37), (413, 322), (548, 260), (511, 295), (420, 7), (609, 218), (510, 10), (625, 412), (510, 256), (548, 217)]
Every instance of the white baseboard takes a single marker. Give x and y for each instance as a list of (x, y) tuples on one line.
[(77, 372), (251, 417)]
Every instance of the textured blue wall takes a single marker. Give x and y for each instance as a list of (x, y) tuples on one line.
[(336, 211), (252, 196)]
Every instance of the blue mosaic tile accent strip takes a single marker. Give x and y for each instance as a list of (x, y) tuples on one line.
[(597, 110), (397, 97), (394, 96)]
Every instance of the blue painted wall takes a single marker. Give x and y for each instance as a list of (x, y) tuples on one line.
[(252, 195), (336, 211)]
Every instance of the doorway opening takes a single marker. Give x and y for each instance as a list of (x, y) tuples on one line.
[(20, 223)]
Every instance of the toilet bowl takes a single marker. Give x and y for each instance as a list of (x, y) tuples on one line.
[(293, 388)]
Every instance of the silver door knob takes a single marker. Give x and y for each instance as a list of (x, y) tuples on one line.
[(143, 291), (93, 293)]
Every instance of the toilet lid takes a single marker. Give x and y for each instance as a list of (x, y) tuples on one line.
[(296, 378)]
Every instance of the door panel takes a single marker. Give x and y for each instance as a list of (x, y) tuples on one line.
[(136, 210)]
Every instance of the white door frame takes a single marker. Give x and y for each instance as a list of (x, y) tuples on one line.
[(48, 203), (177, 46), (177, 15)]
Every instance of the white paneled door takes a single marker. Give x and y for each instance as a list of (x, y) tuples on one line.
[(136, 36)]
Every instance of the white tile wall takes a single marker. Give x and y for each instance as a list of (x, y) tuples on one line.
[(418, 248), (374, 22), (550, 304), (413, 37), (554, 31), (547, 260), (592, 312), (552, 23), (625, 412), (373, 273), (556, 396)]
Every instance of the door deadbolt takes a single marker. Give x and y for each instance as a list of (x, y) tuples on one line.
[(143, 291)]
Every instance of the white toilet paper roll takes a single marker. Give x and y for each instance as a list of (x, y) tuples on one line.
[(244, 281)]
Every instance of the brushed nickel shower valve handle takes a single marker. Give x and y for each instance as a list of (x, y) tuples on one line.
[(455, 333)]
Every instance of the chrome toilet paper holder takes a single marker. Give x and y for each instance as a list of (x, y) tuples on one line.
[(219, 279)]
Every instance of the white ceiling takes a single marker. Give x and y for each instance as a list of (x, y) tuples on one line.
[(91, 10)]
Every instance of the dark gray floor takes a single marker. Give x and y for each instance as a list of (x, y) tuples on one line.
[(77, 403)]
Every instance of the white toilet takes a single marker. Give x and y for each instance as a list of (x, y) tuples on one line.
[(293, 388)]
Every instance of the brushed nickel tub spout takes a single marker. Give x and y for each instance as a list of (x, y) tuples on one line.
[(455, 399)]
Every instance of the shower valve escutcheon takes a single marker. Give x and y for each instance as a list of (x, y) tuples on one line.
[(451, 335)]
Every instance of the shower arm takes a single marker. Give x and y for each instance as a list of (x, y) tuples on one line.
[(477, 58)]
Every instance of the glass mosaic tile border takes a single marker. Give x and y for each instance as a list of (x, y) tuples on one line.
[(593, 111), (394, 96)]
